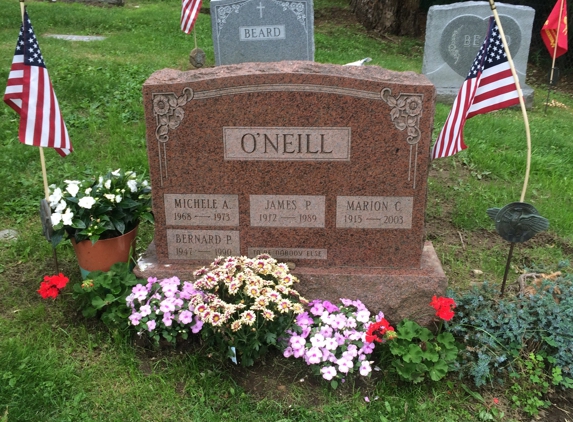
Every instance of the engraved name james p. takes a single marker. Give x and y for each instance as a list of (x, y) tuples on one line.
[(374, 212), (287, 210), (287, 143)]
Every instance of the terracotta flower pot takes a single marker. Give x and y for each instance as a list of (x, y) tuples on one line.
[(102, 254)]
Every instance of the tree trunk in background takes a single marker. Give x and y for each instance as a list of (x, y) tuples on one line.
[(397, 17)]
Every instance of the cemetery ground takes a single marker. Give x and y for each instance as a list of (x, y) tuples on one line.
[(56, 365)]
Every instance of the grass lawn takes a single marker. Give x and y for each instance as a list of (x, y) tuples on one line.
[(56, 365)]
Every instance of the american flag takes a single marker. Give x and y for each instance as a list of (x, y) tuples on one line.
[(189, 14), (489, 86), (29, 92)]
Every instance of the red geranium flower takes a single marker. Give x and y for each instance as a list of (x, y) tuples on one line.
[(377, 330), (443, 307), (52, 285)]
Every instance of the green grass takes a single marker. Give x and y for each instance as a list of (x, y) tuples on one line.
[(56, 366)]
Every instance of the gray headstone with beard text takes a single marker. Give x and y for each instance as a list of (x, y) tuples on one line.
[(262, 30)]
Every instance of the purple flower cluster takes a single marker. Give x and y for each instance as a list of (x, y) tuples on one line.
[(166, 304), (331, 338)]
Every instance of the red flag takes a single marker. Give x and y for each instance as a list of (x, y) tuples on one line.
[(489, 86), (29, 92), (189, 14), (549, 30)]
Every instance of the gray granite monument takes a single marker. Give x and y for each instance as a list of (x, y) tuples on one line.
[(454, 35), (262, 30)]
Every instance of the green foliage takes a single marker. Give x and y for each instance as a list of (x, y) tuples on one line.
[(418, 353), (530, 382), (103, 295), (496, 331)]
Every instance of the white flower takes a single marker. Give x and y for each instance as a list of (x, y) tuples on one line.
[(55, 197), (116, 173), (107, 184), (118, 198), (61, 206), (86, 202), (144, 183), (72, 187), (88, 191), (56, 218), (132, 185), (67, 217), (109, 196)]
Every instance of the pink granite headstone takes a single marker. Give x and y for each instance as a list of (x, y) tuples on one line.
[(324, 166)]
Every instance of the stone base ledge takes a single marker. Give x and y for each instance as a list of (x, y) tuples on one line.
[(399, 293)]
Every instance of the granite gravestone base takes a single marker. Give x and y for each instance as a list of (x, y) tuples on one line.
[(323, 166), (262, 30), (454, 35)]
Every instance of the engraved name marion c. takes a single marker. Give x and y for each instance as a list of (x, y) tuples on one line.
[(374, 212), (287, 143)]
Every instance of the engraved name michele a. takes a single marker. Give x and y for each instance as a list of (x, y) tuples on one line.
[(286, 143)]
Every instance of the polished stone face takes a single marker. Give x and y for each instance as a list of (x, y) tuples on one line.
[(291, 155), (262, 30), (323, 166)]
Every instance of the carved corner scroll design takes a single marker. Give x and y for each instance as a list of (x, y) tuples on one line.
[(298, 8), (405, 114), (223, 12), (168, 111)]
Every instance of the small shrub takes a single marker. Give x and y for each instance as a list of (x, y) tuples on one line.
[(496, 331), (103, 294)]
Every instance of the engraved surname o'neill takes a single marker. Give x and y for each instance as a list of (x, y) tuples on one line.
[(289, 253), (202, 244), (374, 212), (287, 143), (262, 33), (287, 211), (201, 210)]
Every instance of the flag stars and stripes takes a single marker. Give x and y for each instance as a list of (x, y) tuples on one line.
[(489, 86), (30, 93)]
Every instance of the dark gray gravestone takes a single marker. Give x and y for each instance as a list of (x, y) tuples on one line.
[(262, 30), (454, 35)]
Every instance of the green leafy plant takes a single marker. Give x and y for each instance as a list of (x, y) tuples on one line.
[(496, 332), (418, 353), (99, 207), (530, 382), (103, 294)]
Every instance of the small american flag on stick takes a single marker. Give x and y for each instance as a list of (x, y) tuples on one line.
[(189, 13), (30, 93), (489, 86)]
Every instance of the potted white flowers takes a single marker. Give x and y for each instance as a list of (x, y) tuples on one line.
[(99, 209)]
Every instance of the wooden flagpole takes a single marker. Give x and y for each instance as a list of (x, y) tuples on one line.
[(521, 100), (42, 162), (554, 54), (42, 158)]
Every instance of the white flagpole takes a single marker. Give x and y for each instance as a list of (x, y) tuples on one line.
[(521, 100)]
